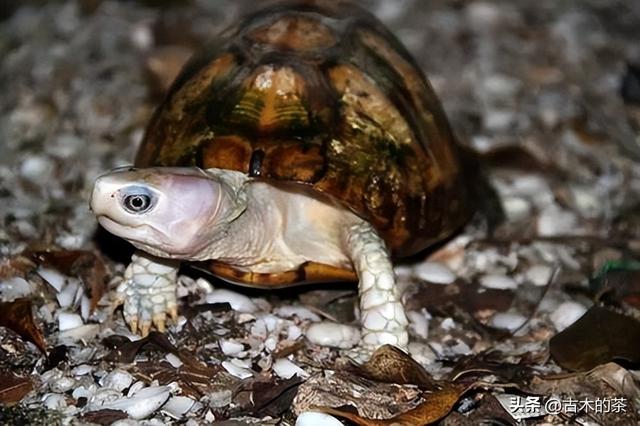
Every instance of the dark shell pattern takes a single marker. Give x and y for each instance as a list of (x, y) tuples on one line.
[(319, 93)]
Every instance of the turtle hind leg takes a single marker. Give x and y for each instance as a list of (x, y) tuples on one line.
[(381, 311), (148, 292)]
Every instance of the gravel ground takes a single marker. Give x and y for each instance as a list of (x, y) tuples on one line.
[(533, 86)]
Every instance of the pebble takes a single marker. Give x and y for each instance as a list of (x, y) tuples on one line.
[(313, 418), (422, 353), (555, 221), (238, 302), (62, 384), (117, 379), (332, 334), (501, 282), (508, 321), (516, 208), (83, 392), (418, 323), (587, 202), (82, 370), (434, 272), (37, 168), (539, 274), (67, 321), (566, 314), (293, 332), (448, 324), (286, 369)]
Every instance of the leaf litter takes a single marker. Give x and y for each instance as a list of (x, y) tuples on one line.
[(491, 320)]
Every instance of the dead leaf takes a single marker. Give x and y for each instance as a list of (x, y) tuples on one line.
[(272, 397), (104, 417), (436, 405), (494, 362), (125, 351), (470, 297), (85, 265), (18, 317), (373, 399), (598, 337), (391, 365), (13, 388), (16, 266), (194, 382)]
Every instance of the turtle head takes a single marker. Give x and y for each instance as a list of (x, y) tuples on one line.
[(166, 211)]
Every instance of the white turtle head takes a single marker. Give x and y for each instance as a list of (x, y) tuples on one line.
[(166, 211)]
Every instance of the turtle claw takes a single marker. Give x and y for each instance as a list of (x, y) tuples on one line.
[(173, 313), (149, 293), (133, 324), (145, 327), (159, 322)]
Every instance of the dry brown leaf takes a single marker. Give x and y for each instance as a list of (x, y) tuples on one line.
[(391, 365), (13, 388), (85, 265), (261, 396), (436, 405), (589, 341), (18, 317)]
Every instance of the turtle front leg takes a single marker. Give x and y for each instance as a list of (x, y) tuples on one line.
[(381, 311), (148, 292)]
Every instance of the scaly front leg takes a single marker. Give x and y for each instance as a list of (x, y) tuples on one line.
[(149, 292), (381, 312)]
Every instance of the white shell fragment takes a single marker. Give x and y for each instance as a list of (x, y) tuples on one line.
[(313, 418), (143, 403), (231, 348), (236, 370), (67, 321), (334, 335), (501, 282), (238, 302), (54, 401), (178, 406), (434, 272), (287, 369), (418, 322), (53, 277), (14, 288), (508, 321), (117, 379), (539, 274), (566, 314)]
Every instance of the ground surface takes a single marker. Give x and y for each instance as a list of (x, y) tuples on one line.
[(534, 86)]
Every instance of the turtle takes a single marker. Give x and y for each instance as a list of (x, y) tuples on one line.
[(302, 145)]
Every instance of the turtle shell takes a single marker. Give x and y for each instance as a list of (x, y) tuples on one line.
[(322, 94)]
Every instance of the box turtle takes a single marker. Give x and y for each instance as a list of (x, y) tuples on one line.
[(302, 145)]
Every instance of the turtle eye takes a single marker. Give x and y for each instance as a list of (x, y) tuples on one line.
[(137, 201)]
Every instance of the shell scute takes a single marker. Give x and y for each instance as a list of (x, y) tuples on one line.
[(320, 93)]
